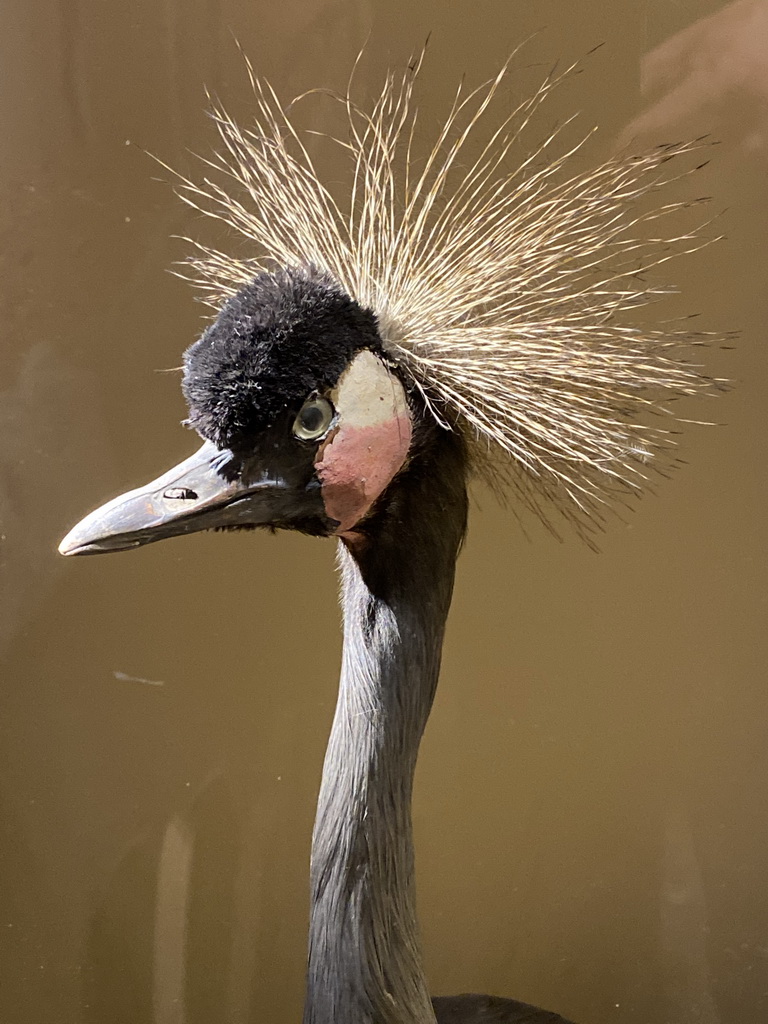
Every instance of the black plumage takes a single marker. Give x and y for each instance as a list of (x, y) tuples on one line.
[(281, 337)]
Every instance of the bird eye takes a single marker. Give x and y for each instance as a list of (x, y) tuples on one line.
[(314, 419)]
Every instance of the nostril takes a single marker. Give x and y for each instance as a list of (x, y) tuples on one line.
[(180, 492)]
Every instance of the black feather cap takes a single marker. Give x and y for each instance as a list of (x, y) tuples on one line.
[(281, 337)]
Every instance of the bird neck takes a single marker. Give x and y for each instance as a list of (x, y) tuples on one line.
[(365, 964)]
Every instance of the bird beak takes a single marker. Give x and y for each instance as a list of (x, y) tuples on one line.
[(190, 497)]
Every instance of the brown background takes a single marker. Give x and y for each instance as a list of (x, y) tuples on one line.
[(591, 809)]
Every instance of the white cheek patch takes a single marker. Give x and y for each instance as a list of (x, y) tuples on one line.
[(370, 444)]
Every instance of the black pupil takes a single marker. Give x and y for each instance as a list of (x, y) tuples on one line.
[(312, 418)]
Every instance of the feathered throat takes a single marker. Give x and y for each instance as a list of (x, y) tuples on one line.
[(501, 287)]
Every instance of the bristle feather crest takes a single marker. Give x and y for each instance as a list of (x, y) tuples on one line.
[(500, 295)]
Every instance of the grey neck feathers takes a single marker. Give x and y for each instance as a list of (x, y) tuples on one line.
[(365, 964)]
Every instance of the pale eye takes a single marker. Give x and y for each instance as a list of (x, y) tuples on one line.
[(314, 419)]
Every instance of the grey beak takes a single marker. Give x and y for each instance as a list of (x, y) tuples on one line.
[(190, 497)]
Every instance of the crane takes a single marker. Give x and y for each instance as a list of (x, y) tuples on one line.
[(446, 317)]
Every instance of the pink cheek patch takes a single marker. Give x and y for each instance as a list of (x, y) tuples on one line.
[(370, 444), (358, 464)]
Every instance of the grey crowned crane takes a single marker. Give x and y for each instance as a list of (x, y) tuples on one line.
[(445, 316)]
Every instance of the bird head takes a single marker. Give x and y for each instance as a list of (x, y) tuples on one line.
[(443, 293), (304, 419)]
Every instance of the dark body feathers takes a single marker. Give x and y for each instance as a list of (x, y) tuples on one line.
[(474, 1009)]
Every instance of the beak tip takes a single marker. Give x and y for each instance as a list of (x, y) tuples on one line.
[(68, 546), (84, 542)]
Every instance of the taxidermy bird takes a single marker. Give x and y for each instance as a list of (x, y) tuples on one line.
[(448, 313)]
